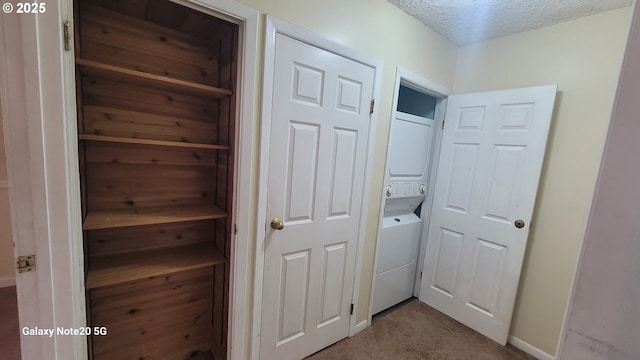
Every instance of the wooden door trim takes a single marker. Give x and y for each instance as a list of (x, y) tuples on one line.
[(275, 26)]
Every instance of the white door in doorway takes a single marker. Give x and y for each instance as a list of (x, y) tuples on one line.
[(491, 156), (318, 150)]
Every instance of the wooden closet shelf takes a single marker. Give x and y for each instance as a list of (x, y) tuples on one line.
[(117, 269), (105, 219), (89, 67), (125, 140)]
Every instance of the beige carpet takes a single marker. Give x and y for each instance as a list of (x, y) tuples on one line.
[(415, 331)]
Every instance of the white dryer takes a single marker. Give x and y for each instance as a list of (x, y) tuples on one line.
[(409, 160)]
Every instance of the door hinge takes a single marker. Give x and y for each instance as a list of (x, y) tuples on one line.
[(351, 311), (235, 229), (442, 124), (373, 103), (26, 263), (67, 35), (420, 275)]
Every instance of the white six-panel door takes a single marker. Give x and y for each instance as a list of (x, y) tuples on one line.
[(490, 161), (318, 149)]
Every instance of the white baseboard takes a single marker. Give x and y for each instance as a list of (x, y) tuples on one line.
[(6, 281), (359, 327), (529, 349)]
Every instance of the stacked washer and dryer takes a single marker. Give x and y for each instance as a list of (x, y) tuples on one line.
[(407, 183)]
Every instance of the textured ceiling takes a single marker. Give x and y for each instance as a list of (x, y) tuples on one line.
[(464, 22)]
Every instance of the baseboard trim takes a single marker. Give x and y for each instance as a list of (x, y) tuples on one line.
[(529, 349), (6, 281), (360, 326)]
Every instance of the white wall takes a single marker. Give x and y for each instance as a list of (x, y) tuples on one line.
[(583, 57), (605, 313)]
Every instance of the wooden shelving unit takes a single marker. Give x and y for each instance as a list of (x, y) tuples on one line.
[(156, 97)]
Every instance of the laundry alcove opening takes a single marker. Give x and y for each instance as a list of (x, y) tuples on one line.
[(407, 182)]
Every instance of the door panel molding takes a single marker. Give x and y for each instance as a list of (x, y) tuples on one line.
[(276, 26), (483, 195)]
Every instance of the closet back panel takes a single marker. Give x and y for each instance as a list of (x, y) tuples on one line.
[(165, 317)]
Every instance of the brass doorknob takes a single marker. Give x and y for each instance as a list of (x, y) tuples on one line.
[(519, 223), (277, 224)]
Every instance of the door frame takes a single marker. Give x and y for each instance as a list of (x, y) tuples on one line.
[(407, 78), (275, 26), (39, 113), (39, 157)]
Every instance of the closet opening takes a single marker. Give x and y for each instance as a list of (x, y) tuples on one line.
[(415, 126), (156, 99)]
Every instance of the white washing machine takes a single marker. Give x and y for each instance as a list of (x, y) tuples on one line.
[(397, 252), (409, 160)]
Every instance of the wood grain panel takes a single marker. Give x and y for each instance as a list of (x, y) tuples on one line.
[(203, 27), (121, 186), (122, 240), (115, 153), (139, 61), (122, 140), (218, 306), (131, 124), (135, 8), (118, 73), (108, 27), (116, 269), (123, 306), (114, 94), (182, 309), (172, 15), (119, 218), (223, 174), (224, 192), (224, 127), (150, 286), (150, 318)]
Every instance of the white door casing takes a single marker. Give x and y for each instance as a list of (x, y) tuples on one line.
[(320, 123), (491, 157)]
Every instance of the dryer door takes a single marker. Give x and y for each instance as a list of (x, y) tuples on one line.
[(410, 147)]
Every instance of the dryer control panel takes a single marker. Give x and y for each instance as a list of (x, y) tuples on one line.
[(405, 189)]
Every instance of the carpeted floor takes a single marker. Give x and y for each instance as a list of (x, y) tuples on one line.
[(9, 328), (411, 331), (415, 331)]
